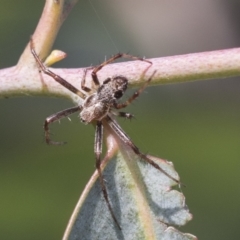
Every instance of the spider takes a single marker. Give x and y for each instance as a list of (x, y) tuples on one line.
[(100, 103)]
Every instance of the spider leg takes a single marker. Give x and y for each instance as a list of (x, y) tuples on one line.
[(125, 138), (110, 60), (98, 152), (54, 118), (123, 114), (56, 77), (136, 94), (83, 82)]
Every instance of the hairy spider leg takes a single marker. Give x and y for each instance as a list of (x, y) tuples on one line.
[(93, 88), (126, 139), (132, 98), (110, 60), (98, 151), (55, 117), (56, 77), (137, 93), (123, 114)]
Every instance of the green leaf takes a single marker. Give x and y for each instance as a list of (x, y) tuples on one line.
[(140, 195)]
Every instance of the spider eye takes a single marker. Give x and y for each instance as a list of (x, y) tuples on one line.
[(120, 83), (118, 94)]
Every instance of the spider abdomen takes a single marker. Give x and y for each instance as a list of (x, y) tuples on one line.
[(93, 109)]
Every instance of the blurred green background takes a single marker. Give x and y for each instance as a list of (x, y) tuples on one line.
[(195, 125)]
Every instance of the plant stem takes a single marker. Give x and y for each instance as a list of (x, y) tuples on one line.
[(22, 81)]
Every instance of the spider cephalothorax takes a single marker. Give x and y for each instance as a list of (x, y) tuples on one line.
[(99, 104)]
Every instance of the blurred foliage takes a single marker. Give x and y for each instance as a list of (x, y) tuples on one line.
[(194, 125)]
